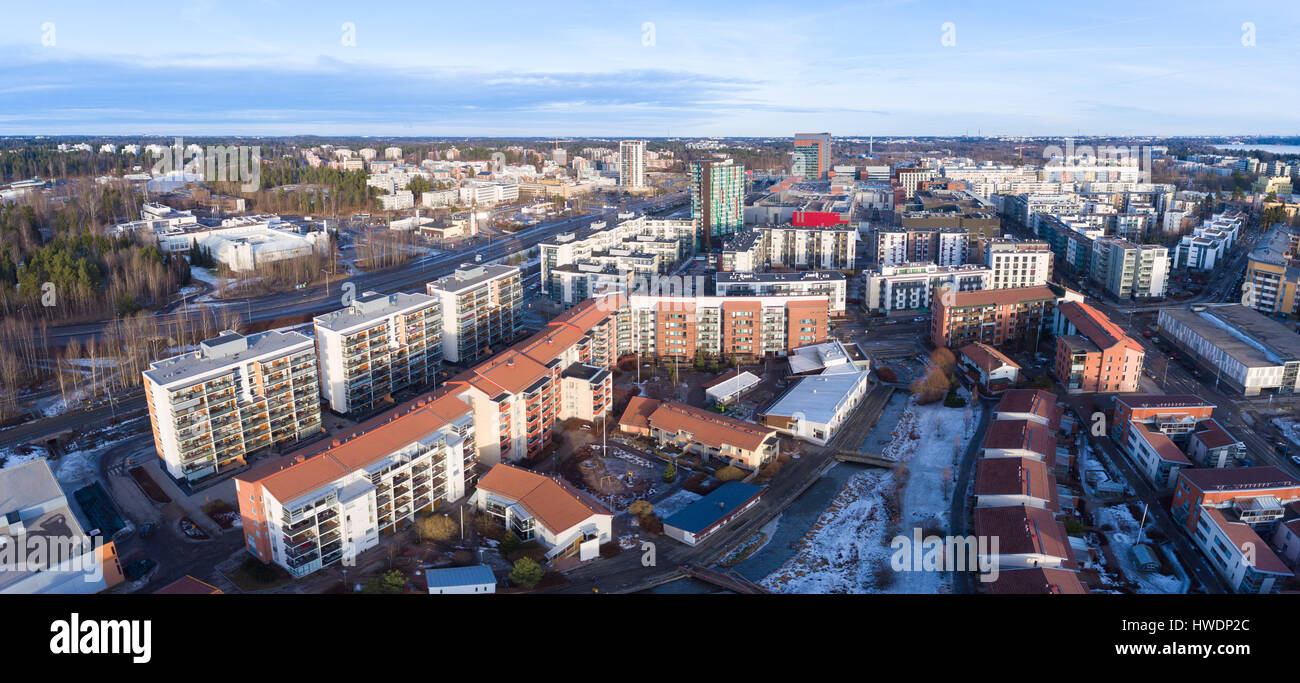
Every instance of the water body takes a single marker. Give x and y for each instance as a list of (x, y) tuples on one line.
[(1250, 147)]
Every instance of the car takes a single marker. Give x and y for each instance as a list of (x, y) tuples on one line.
[(1146, 333), (139, 569)]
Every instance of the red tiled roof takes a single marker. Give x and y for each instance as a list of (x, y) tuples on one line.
[(1242, 534), (1032, 402), (1015, 477), (986, 357), (1161, 444), (1094, 325), (707, 427), (637, 413), (1021, 434), (1210, 433), (1022, 529), (553, 503), (1037, 581)]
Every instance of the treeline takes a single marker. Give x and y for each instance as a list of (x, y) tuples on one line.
[(344, 191)]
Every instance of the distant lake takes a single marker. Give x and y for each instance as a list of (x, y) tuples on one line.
[(1274, 149)]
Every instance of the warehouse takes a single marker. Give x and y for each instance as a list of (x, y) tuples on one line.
[(1242, 348)]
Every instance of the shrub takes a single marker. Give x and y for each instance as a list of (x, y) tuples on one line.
[(651, 523), (436, 528), (729, 473), (526, 573), (640, 507), (952, 400), (509, 544), (886, 375)]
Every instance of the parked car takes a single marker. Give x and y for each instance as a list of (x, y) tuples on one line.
[(139, 569)]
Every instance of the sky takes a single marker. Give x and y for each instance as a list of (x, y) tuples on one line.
[(649, 69)]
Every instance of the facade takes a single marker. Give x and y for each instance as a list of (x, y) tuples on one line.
[(1154, 431), (327, 505), (381, 344), (816, 406), (1017, 263), (811, 156), (546, 510), (697, 521), (236, 395), (631, 170), (1092, 353), (1131, 271), (481, 305), (828, 283), (35, 509), (720, 326), (944, 246), (822, 247), (1243, 349), (717, 199), (573, 263), (1028, 537), (996, 316), (1228, 513), (992, 369), (1008, 482), (911, 286)]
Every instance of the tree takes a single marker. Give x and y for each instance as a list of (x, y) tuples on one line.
[(509, 544), (670, 472), (526, 573), (436, 528), (729, 473), (390, 582)]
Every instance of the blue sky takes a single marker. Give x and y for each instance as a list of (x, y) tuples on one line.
[(600, 69)]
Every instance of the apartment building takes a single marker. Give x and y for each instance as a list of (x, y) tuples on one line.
[(381, 344), (1092, 353), (828, 283), (993, 316), (720, 326), (1272, 283), (235, 395), (819, 247), (634, 243), (942, 246), (481, 305), (520, 394), (717, 199), (631, 169), (546, 510), (1017, 263), (1228, 513), (702, 432), (326, 505), (1244, 349), (1130, 271), (911, 286)]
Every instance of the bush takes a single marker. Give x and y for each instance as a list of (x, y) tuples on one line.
[(729, 473), (391, 581), (952, 400), (640, 507), (509, 544), (611, 549), (651, 523), (436, 528), (886, 375), (526, 573), (1073, 526)]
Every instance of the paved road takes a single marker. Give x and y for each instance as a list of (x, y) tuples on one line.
[(959, 515)]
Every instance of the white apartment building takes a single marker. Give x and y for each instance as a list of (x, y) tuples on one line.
[(392, 152), (1017, 263), (237, 394), (822, 248), (910, 179), (481, 305), (546, 510), (487, 193), (911, 286), (315, 509), (828, 283), (402, 199), (1127, 270), (633, 243), (381, 344), (631, 169)]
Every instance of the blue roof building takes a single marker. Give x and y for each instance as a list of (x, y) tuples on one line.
[(461, 580), (697, 521)]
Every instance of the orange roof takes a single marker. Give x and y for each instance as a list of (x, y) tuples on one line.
[(302, 472), (188, 585), (1161, 444), (707, 427), (1021, 435), (986, 357), (637, 413), (1094, 325), (554, 503), (1037, 581), (1243, 536), (1032, 402)]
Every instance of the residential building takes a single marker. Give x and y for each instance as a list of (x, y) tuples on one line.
[(717, 199), (1027, 537), (1272, 282), (1212, 446), (1033, 405), (482, 305), (993, 370), (1092, 353), (911, 286), (1008, 482), (1132, 271), (327, 505), (380, 345), (234, 396), (1153, 431), (43, 546), (546, 510), (720, 326), (1017, 263), (631, 170), (820, 247), (995, 316), (1244, 350), (828, 283), (639, 244), (707, 434), (1228, 513)]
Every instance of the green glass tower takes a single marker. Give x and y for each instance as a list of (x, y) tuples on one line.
[(717, 199)]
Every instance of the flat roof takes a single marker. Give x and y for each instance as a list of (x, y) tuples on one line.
[(471, 274), (731, 276), (1248, 336), (707, 511), (371, 307), (228, 348), (817, 397), (449, 577)]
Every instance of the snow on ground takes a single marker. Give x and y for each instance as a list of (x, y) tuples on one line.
[(12, 457), (1122, 539), (848, 547), (675, 502)]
